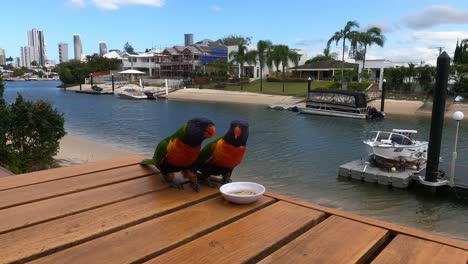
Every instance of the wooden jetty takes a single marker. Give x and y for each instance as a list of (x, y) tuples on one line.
[(116, 211), (94, 92)]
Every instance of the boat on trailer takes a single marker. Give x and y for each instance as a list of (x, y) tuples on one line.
[(398, 146), (340, 103)]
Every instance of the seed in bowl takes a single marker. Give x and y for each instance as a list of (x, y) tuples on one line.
[(242, 192)]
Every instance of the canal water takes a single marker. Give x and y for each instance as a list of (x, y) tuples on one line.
[(289, 153)]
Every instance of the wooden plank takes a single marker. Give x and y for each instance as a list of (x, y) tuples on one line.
[(154, 237), (65, 172), (406, 249), (42, 239), (395, 229), (46, 210), (31, 193), (246, 238), (335, 240)]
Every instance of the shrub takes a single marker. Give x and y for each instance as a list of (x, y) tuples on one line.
[(29, 134), (356, 86)]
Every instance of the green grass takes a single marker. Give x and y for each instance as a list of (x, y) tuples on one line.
[(290, 88)]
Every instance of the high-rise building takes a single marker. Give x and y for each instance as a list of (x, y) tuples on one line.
[(26, 56), (63, 52), (78, 48), (2, 57), (17, 62), (188, 39), (37, 43), (102, 48)]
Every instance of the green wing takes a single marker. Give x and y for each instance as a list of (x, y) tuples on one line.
[(205, 154), (160, 152)]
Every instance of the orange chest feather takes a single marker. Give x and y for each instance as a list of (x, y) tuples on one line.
[(181, 154), (226, 155)]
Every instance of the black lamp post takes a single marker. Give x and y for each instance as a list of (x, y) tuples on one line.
[(382, 99)]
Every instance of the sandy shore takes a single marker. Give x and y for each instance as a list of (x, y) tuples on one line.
[(399, 107), (76, 150), (231, 97)]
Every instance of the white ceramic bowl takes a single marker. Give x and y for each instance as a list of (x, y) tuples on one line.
[(229, 192)]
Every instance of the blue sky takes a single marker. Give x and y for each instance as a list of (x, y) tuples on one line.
[(412, 28)]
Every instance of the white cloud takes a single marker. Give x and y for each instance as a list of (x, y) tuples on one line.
[(216, 8), (77, 3), (441, 36), (436, 15), (116, 4)]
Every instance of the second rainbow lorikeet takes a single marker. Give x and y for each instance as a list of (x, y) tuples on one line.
[(221, 156), (178, 152)]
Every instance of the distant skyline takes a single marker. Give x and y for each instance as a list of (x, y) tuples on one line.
[(414, 29)]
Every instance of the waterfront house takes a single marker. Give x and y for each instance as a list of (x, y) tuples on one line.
[(321, 70), (184, 61)]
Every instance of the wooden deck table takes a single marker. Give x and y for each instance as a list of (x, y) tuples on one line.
[(116, 211)]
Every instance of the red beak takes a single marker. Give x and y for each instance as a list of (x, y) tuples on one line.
[(237, 132), (210, 132)]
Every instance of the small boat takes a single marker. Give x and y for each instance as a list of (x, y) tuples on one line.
[(397, 145), (340, 103), (131, 91)]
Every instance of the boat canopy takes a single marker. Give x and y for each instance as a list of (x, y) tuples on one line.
[(338, 97)]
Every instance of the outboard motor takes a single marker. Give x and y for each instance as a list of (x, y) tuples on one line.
[(374, 113)]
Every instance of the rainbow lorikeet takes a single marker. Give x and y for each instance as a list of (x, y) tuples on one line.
[(221, 156), (178, 152)]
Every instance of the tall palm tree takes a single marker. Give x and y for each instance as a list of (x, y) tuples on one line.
[(262, 49), (242, 56), (371, 36), (282, 54), (342, 35)]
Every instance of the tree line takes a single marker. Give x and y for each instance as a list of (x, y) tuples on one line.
[(75, 72)]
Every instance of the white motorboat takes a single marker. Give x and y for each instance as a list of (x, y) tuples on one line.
[(131, 91), (397, 145)]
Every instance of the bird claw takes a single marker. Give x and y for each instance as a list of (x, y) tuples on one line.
[(195, 186)]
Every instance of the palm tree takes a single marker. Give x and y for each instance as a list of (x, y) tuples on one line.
[(242, 56), (281, 54), (262, 49), (372, 36), (343, 34)]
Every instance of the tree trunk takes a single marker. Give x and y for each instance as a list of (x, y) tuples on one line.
[(261, 78), (342, 63), (242, 77), (363, 61), (283, 78)]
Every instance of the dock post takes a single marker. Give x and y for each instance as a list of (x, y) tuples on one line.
[(112, 82), (80, 86), (309, 80), (382, 98), (437, 121), (167, 89), (91, 80)]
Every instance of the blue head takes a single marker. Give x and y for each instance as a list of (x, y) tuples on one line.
[(238, 133), (197, 130)]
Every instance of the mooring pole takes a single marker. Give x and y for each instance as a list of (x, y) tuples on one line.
[(308, 85), (437, 121), (382, 98), (91, 80), (112, 82), (80, 86)]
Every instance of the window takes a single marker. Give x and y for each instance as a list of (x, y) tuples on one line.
[(383, 136), (400, 139)]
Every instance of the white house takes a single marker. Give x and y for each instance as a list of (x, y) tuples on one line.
[(253, 70), (376, 69)]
